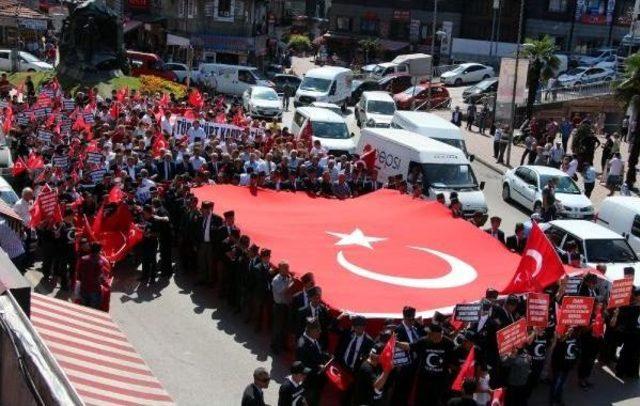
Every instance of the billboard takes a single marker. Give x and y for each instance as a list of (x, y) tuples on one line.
[(507, 78), (596, 12)]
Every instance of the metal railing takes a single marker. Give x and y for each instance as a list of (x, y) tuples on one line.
[(425, 105), (561, 94), (440, 69)]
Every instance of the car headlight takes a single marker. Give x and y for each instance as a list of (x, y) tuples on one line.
[(566, 208), (371, 122), (586, 209)]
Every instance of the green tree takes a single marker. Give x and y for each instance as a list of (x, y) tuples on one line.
[(370, 47), (628, 92), (542, 64)]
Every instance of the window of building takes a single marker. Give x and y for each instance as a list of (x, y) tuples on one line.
[(224, 10), (188, 7), (343, 23), (399, 30), (558, 6), (369, 26)]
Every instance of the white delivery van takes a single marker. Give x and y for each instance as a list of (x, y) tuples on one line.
[(444, 169), (622, 215), (388, 68), (327, 126), (230, 79), (328, 84), (417, 65), (432, 126)]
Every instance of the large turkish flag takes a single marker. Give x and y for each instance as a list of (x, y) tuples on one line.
[(374, 254)]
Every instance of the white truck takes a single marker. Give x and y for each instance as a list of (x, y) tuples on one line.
[(329, 84), (417, 65)]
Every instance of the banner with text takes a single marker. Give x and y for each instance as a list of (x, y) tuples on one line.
[(538, 309), (576, 310), (620, 294), (512, 337), (467, 312)]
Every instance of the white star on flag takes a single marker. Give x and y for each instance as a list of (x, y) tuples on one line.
[(356, 237)]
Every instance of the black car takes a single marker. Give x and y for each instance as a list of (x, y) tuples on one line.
[(281, 79), (473, 94), (358, 86)]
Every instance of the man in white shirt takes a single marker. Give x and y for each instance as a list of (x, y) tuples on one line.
[(614, 173), (23, 205), (196, 160), (573, 167), (165, 124), (196, 132)]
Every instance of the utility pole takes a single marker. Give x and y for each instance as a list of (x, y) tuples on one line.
[(515, 83), (493, 25), (498, 26), (574, 9), (433, 49)]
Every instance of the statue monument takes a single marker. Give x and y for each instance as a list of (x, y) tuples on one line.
[(92, 42)]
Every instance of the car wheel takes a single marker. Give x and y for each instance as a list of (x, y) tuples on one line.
[(184, 81), (485, 77), (577, 84), (344, 107), (506, 192), (31, 70), (458, 82), (608, 79)]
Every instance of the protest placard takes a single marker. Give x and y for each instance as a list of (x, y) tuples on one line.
[(572, 284), (68, 104), (94, 157), (576, 310), (538, 310), (60, 161), (45, 136), (467, 312), (511, 337), (97, 175), (620, 294)]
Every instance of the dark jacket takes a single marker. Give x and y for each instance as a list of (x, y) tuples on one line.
[(515, 245), (252, 396)]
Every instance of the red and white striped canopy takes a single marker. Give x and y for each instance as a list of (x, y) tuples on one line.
[(95, 355)]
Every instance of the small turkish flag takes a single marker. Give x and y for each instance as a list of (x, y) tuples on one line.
[(467, 370), (498, 397), (386, 358), (539, 266)]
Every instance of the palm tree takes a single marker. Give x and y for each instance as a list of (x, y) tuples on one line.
[(370, 47), (542, 63), (629, 93)]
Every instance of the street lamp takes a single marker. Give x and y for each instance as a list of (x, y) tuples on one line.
[(515, 83), (433, 28)]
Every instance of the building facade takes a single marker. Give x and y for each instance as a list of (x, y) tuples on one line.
[(576, 25)]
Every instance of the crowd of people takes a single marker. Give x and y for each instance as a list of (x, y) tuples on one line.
[(89, 158)]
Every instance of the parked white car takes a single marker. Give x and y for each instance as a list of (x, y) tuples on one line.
[(622, 215), (584, 75), (524, 185), (597, 56), (262, 101), (329, 106), (181, 70), (596, 244), (21, 61), (467, 73), (375, 109)]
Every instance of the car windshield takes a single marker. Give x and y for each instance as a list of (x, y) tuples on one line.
[(315, 84), (335, 131), (28, 57), (459, 69), (381, 107), (413, 90), (575, 71), (607, 251), (454, 143), (264, 94), (485, 84), (379, 70), (565, 184), (450, 176), (258, 75), (9, 197)]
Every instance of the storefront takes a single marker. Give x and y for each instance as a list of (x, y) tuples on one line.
[(22, 27), (231, 50)]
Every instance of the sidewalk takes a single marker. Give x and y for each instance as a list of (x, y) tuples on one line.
[(482, 147)]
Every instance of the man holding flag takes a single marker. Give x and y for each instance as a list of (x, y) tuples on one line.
[(371, 378)]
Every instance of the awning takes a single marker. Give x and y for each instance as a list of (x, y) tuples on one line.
[(131, 25), (95, 355), (177, 40), (392, 46)]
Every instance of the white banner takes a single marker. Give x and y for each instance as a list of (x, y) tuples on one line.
[(217, 130)]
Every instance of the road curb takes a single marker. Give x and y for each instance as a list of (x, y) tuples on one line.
[(490, 165)]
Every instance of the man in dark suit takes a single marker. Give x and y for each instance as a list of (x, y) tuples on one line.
[(311, 353), (494, 230), (292, 391), (354, 344), (166, 168), (224, 243), (253, 394), (300, 300), (317, 311), (408, 331), (208, 223), (456, 117), (517, 242)]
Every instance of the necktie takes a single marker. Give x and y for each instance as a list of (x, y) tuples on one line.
[(351, 352)]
